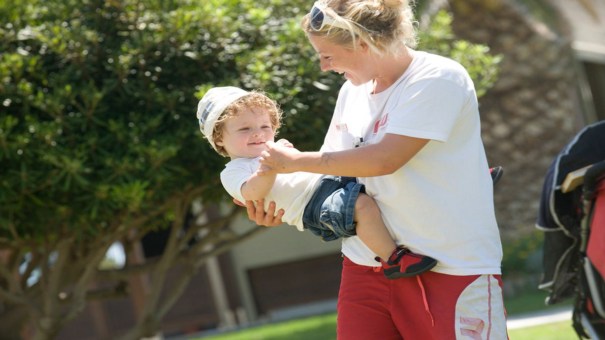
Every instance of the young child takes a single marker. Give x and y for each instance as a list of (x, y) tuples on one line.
[(238, 123)]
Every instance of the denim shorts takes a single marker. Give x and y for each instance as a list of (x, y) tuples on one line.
[(330, 214)]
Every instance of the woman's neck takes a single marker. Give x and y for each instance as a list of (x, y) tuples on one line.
[(391, 68)]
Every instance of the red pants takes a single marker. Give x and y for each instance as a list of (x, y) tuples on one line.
[(429, 306)]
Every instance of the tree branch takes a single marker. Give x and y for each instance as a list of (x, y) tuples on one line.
[(52, 282), (12, 297), (80, 288)]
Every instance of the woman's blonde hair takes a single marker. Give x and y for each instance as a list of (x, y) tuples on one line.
[(254, 100), (385, 25)]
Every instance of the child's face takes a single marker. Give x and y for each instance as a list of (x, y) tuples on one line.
[(244, 135)]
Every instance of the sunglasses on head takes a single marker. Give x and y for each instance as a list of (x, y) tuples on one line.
[(318, 18)]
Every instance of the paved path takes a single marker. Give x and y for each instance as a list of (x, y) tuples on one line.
[(539, 318)]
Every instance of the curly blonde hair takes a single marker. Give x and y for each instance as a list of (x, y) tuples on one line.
[(386, 26), (255, 99)]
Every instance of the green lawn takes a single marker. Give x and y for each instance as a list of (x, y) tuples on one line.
[(315, 327), (553, 331), (529, 302), (324, 326)]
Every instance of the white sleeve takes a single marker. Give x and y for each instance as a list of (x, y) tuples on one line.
[(235, 174), (429, 109)]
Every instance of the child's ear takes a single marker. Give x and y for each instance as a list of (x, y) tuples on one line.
[(219, 143)]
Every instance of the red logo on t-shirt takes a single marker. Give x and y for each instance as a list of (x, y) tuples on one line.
[(380, 123), (473, 327)]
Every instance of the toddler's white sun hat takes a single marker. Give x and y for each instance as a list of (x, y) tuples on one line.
[(212, 105)]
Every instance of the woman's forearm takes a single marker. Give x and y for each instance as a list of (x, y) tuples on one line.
[(367, 161), (353, 163)]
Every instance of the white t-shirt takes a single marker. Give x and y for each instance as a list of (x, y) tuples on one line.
[(441, 202), (290, 192)]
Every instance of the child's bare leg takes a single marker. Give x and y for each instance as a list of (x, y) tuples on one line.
[(371, 229)]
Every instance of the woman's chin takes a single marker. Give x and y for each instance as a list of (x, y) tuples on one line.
[(352, 80)]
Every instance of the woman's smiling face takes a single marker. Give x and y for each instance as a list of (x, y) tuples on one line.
[(353, 64)]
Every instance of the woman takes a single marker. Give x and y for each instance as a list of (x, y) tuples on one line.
[(407, 124)]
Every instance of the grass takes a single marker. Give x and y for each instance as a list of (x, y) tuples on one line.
[(553, 331), (530, 301), (315, 327), (324, 326)]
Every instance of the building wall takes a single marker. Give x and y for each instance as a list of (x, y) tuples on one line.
[(108, 319), (275, 248)]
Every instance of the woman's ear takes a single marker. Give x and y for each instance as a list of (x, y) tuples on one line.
[(363, 46)]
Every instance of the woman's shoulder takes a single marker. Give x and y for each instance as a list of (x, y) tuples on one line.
[(433, 66), (431, 61)]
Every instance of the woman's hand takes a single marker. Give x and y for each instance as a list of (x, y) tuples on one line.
[(257, 214), (279, 157), (285, 142)]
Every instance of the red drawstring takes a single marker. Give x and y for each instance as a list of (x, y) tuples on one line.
[(425, 300)]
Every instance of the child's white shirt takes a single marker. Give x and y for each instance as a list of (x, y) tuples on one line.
[(290, 192)]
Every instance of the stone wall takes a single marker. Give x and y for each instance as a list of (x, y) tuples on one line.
[(533, 109)]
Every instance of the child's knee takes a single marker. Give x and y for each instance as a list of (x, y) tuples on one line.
[(365, 204)]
